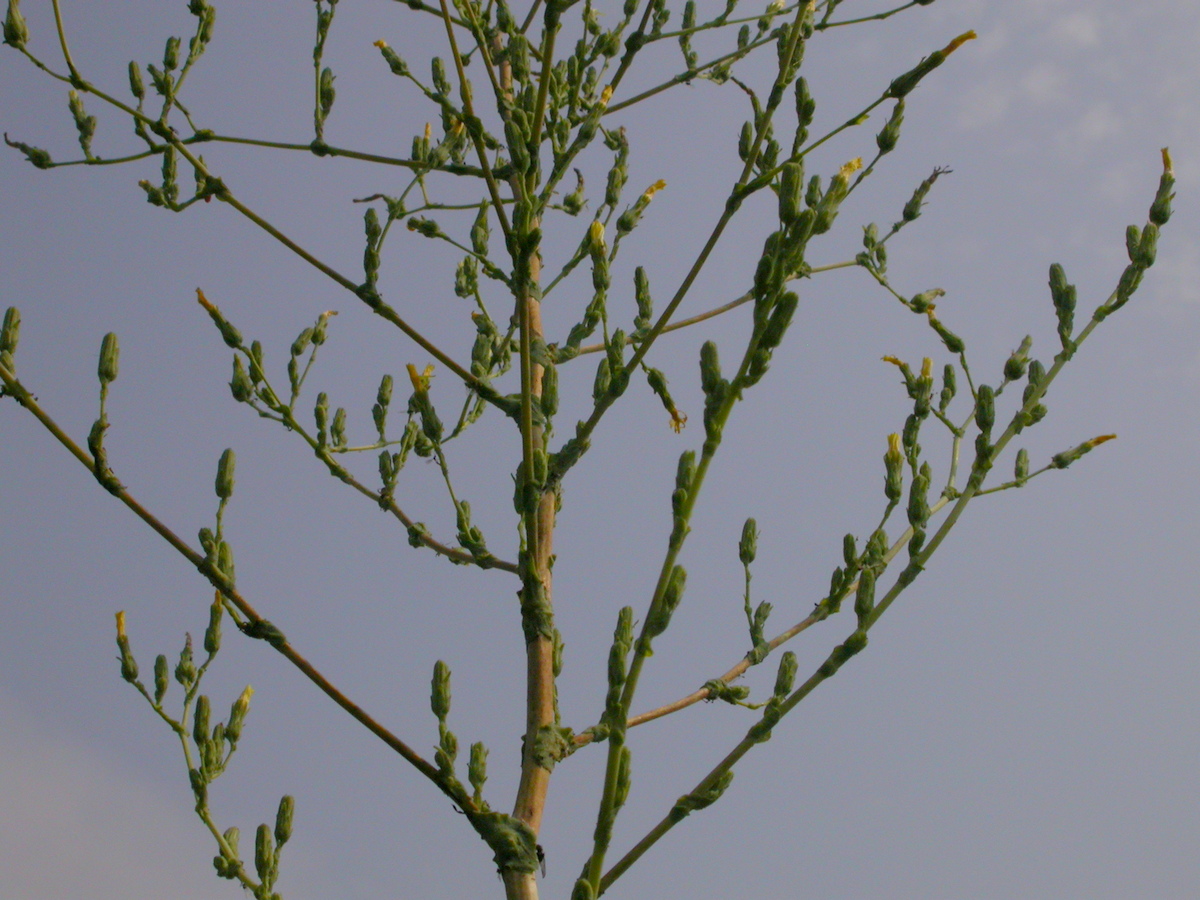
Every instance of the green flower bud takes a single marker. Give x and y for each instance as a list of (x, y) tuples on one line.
[(229, 334), (1133, 237), (904, 84), (200, 719), (283, 819), (160, 679), (136, 86), (240, 385), (225, 560), (1021, 469), (477, 769), (110, 354), (16, 33), (225, 470), (10, 332), (1063, 295), (171, 54), (440, 696), (791, 185), (887, 138), (326, 93), (864, 598), (806, 106), (1014, 368), (212, 634), (337, 430), (1160, 210), (918, 499), (786, 676), (745, 141), (264, 853), (893, 462), (1064, 459), (602, 381), (985, 409), (748, 545), (1147, 249), (237, 715), (660, 614), (1130, 279), (395, 63), (129, 666), (185, 670), (949, 387), (953, 342)]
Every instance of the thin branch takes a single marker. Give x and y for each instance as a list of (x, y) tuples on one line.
[(222, 584)]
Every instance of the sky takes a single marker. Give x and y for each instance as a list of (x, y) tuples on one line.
[(1025, 720)]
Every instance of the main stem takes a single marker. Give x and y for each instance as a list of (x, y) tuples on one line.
[(539, 516)]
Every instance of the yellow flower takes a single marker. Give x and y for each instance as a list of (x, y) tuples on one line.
[(596, 233), (850, 168), (420, 381)]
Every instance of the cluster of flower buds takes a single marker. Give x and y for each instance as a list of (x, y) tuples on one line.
[(618, 655), (785, 679), (1142, 244)]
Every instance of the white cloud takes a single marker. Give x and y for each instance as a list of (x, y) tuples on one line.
[(1044, 84), (1080, 29), (1099, 122)]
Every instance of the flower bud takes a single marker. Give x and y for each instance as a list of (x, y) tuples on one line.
[(953, 342), (904, 84), (745, 141), (864, 598), (985, 408), (395, 63), (440, 697), (477, 768), (1063, 295), (16, 33), (1021, 469), (240, 385), (1064, 459), (10, 332), (160, 679), (129, 666), (283, 819), (200, 718), (1160, 210), (264, 853), (1014, 368), (326, 92), (237, 715), (225, 470), (185, 670), (893, 461), (229, 334), (887, 138), (785, 677), (212, 634), (1147, 249), (748, 545), (110, 353)]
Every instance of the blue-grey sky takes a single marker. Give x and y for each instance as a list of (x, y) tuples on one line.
[(1024, 721)]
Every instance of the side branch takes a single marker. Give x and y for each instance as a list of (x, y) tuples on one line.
[(253, 624)]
